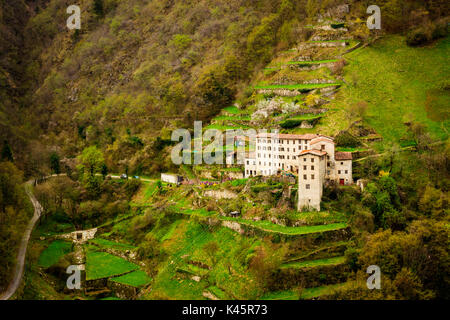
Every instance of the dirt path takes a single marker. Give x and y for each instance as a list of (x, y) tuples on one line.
[(18, 269)]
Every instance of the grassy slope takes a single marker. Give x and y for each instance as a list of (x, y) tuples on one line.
[(394, 79), (101, 265), (54, 252), (315, 263), (135, 279), (187, 244)]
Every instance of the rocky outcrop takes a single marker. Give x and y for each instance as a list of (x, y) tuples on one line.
[(221, 194)]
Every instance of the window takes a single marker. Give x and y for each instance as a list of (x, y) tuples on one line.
[(294, 150), (288, 157), (304, 159), (305, 177), (312, 167), (312, 177), (312, 159), (248, 162), (339, 171), (323, 147), (247, 171), (342, 163), (346, 171), (259, 155), (308, 187), (305, 168), (294, 158)]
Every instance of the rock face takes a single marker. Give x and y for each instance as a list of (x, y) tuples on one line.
[(80, 236), (233, 226), (221, 194)]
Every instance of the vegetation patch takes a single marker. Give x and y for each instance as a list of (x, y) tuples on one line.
[(135, 279), (111, 244), (271, 227), (55, 251), (100, 265), (300, 87), (314, 263)]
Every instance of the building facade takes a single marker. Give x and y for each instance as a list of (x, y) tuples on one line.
[(311, 157)]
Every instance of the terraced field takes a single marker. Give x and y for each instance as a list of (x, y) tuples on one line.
[(314, 263), (100, 265), (134, 279), (300, 87)]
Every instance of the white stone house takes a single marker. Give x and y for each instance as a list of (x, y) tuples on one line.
[(311, 157)]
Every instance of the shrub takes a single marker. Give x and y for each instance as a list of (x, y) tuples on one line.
[(288, 124), (345, 139), (417, 37)]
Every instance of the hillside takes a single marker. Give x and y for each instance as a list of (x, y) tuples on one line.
[(103, 101)]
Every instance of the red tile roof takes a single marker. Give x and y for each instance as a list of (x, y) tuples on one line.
[(326, 139), (314, 152), (343, 156)]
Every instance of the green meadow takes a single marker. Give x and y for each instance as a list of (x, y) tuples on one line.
[(101, 265), (55, 251), (400, 84)]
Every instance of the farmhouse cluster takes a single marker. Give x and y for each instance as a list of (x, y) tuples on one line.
[(311, 157)]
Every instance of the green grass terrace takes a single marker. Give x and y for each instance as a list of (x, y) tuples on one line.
[(301, 87)]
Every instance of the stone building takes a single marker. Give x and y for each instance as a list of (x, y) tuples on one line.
[(311, 157)]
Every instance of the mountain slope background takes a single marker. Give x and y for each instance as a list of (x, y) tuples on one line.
[(138, 69)]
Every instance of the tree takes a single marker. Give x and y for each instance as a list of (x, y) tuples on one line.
[(104, 170), (311, 9), (98, 7), (6, 152), (54, 163), (91, 161)]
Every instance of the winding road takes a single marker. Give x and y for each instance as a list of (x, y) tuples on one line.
[(18, 269)]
